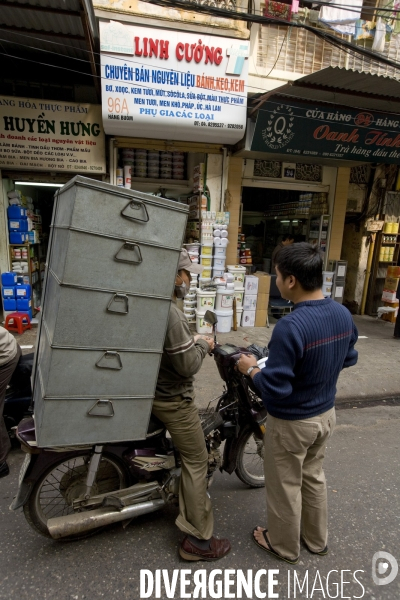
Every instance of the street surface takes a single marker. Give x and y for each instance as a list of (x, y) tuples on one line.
[(363, 472)]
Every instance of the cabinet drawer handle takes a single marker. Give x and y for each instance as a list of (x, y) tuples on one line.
[(130, 247), (108, 355), (135, 205), (100, 405)]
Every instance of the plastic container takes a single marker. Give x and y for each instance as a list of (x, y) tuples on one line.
[(224, 299), (238, 294), (219, 252), (8, 291), (239, 312), (219, 262), (225, 317), (327, 289), (201, 325), (207, 249), (24, 304), (395, 228), (23, 291), (9, 304), (328, 276), (238, 273), (217, 273), (9, 278), (16, 212), (206, 260), (205, 299), (195, 247), (207, 273)]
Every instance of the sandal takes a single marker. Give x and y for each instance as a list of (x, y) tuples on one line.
[(323, 552), (270, 549)]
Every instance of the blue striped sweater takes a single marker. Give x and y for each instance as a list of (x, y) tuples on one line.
[(308, 349)]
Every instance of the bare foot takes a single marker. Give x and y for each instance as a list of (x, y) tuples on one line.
[(259, 536)]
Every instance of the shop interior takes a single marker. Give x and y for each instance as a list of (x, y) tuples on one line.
[(271, 214), (29, 263)]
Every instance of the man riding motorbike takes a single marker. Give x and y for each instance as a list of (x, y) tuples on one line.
[(174, 405)]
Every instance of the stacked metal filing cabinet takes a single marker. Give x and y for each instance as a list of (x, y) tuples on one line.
[(109, 279)]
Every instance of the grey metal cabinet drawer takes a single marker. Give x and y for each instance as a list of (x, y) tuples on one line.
[(82, 421), (94, 261), (98, 319), (103, 208)]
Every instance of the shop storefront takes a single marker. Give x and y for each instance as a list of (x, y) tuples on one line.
[(172, 102), (43, 144)]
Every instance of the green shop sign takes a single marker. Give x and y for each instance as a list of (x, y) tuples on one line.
[(326, 132)]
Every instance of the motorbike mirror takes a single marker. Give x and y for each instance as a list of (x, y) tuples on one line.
[(210, 318)]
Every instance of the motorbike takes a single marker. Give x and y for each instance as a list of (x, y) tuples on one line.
[(18, 399), (71, 492)]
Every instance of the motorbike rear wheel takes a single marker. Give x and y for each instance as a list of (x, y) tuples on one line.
[(250, 459), (55, 491)]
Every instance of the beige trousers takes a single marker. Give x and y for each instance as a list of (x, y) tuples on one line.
[(182, 420), (295, 482)]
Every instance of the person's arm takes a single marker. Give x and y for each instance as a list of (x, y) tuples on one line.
[(352, 354), (185, 353), (275, 379)]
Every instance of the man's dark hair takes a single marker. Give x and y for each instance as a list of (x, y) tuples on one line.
[(287, 236), (304, 262)]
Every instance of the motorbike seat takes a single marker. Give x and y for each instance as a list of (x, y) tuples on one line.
[(155, 426)]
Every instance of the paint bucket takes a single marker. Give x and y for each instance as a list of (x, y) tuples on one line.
[(224, 299), (219, 262), (201, 325), (205, 299), (327, 289), (225, 317), (328, 276), (219, 252), (238, 273), (238, 294), (206, 260), (206, 248)]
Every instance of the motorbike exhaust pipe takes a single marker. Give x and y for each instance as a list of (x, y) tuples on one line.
[(76, 523)]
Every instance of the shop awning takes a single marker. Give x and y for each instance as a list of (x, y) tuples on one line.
[(49, 35), (334, 116), (344, 87)]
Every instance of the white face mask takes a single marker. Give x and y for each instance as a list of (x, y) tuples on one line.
[(181, 290)]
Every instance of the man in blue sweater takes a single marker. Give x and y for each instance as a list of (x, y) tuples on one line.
[(308, 349)]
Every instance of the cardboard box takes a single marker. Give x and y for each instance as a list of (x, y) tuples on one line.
[(391, 317), (261, 318), (390, 284), (250, 284), (393, 272), (389, 296), (264, 282), (248, 318), (250, 302), (262, 301)]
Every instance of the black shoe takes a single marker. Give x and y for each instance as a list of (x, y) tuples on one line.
[(4, 470)]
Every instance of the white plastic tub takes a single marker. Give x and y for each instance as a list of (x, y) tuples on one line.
[(205, 300), (238, 273), (219, 252), (206, 260), (327, 289), (225, 317), (328, 276), (206, 248), (238, 294), (219, 262), (201, 325), (218, 273), (224, 299)]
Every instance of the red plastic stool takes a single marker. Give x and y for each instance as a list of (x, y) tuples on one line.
[(18, 322)]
